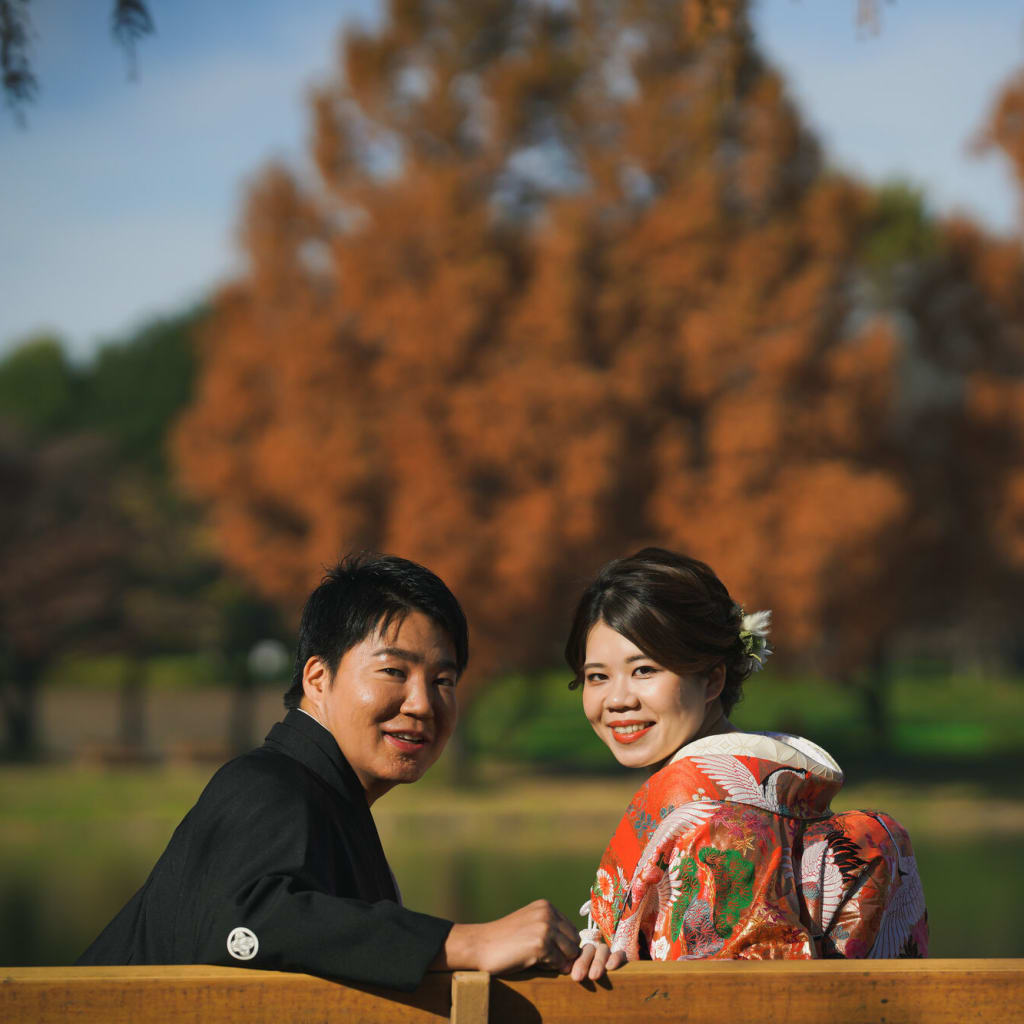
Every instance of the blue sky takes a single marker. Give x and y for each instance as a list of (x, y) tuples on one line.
[(120, 198)]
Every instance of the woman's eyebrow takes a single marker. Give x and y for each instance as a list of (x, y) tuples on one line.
[(632, 657)]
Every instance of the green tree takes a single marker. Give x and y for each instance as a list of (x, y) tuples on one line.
[(62, 550), (40, 390), (99, 552), (134, 389), (901, 235)]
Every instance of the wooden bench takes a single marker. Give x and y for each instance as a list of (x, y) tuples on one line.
[(698, 992)]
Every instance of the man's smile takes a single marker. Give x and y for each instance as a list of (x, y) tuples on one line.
[(406, 740)]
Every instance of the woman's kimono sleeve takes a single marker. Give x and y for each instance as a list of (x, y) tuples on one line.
[(634, 910), (860, 881)]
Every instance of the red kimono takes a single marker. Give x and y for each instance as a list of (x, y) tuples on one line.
[(731, 852)]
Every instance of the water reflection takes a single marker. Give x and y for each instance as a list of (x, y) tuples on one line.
[(54, 898)]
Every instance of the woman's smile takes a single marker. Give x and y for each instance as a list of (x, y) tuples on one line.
[(629, 731)]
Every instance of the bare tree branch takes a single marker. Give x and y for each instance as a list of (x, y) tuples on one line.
[(19, 83), (130, 21)]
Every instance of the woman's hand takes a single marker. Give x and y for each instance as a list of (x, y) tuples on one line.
[(537, 935), (595, 960)]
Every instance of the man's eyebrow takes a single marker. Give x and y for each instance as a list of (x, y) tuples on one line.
[(399, 652), (414, 656)]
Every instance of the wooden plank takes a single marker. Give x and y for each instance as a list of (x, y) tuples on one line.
[(699, 992), (773, 992), (208, 995), (471, 994)]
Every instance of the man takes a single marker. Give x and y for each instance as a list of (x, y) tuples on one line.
[(279, 865)]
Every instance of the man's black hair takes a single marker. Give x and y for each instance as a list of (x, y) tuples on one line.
[(367, 593)]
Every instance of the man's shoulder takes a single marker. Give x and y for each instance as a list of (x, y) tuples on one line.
[(264, 762), (263, 777)]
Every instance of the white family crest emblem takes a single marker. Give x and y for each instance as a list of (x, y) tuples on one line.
[(243, 944)]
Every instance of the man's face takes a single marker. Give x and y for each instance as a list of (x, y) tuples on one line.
[(391, 705)]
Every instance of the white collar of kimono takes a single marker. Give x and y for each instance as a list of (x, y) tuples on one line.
[(771, 746)]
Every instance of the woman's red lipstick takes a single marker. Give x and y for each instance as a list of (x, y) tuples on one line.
[(629, 737)]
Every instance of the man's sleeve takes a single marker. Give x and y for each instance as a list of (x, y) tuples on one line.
[(271, 867), (274, 925)]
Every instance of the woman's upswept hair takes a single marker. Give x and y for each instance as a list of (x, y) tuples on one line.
[(674, 608)]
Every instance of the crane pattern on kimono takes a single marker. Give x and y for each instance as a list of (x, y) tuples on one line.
[(905, 909), (742, 785), (650, 880)]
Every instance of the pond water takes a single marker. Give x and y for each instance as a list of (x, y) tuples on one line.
[(55, 898), (971, 888)]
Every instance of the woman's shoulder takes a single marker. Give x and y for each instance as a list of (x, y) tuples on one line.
[(778, 747), (776, 772)]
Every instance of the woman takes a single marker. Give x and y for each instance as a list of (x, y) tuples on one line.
[(729, 850)]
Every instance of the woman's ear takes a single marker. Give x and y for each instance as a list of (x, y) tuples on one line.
[(716, 683), (316, 681)]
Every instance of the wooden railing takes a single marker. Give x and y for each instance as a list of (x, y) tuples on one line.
[(698, 992)]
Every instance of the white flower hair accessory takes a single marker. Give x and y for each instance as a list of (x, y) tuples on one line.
[(754, 637)]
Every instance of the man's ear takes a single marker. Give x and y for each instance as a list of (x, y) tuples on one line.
[(716, 683), (316, 681)]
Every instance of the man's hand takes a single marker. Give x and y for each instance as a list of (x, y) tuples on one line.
[(595, 960), (537, 935)]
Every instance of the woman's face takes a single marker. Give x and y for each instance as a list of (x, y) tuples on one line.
[(642, 711)]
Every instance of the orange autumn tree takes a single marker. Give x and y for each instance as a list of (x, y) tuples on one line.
[(567, 279), (994, 391)]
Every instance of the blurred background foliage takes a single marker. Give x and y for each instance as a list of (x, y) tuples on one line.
[(566, 279)]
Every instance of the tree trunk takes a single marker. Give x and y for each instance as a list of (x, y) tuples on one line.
[(133, 707), (875, 693), (18, 696), (242, 711)]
